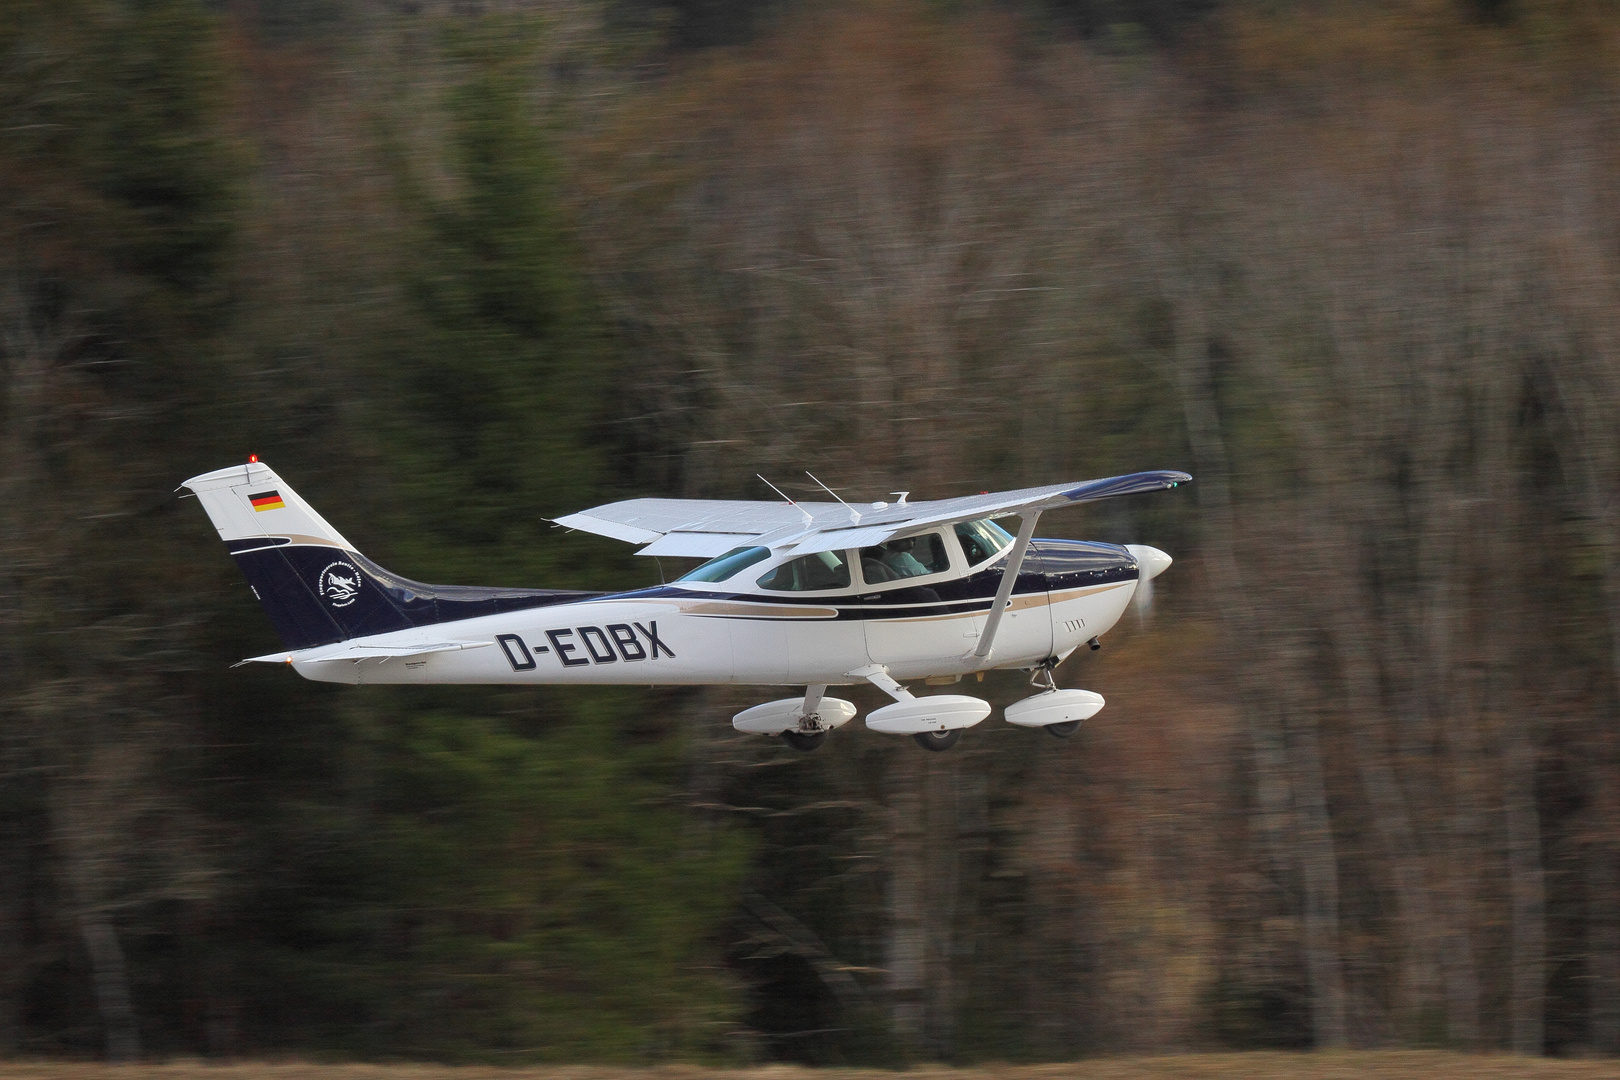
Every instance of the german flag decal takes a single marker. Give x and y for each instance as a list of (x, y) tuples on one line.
[(267, 500)]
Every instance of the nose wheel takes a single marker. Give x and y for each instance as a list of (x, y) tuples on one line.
[(1063, 731), (938, 740), (804, 740)]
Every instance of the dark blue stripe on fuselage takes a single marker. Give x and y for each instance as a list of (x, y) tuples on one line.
[(320, 595)]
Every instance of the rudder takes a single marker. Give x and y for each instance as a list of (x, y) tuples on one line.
[(310, 580)]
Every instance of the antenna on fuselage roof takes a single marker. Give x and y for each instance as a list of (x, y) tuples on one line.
[(854, 514), (779, 491)]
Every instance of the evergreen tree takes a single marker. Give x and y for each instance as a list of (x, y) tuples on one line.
[(486, 873)]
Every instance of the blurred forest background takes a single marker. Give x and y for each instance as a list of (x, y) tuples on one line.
[(455, 267)]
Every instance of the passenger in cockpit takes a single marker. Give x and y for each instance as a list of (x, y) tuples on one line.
[(898, 557)]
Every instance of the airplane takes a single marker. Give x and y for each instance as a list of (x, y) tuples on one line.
[(812, 594)]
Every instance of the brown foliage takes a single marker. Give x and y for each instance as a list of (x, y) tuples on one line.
[(1356, 268)]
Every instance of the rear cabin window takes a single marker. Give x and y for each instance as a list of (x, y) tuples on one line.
[(909, 556), (727, 565), (809, 573), (982, 539)]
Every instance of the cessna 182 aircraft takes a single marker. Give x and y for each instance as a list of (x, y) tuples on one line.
[(809, 594)]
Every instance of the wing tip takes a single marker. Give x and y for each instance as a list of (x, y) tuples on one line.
[(1128, 484)]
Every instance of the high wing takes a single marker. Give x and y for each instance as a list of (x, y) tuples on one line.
[(708, 527)]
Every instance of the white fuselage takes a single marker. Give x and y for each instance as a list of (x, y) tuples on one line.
[(698, 634)]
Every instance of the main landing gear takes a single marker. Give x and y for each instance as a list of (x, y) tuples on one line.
[(938, 740), (803, 722), (935, 722)]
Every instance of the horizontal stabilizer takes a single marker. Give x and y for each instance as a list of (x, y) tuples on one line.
[(348, 651)]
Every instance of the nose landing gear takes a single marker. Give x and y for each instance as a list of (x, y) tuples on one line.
[(805, 740), (1060, 712)]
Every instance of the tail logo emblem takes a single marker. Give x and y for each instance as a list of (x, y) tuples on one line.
[(340, 584)]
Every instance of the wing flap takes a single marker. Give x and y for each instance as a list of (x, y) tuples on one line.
[(839, 539), (701, 545), (616, 530)]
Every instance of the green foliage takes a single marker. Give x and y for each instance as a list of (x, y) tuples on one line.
[(506, 367), (472, 875), (510, 897), (115, 157), (483, 875)]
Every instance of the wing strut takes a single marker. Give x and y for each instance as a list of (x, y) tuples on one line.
[(879, 676), (1009, 578)]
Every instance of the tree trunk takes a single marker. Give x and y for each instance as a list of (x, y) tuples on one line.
[(14, 966), (1603, 901), (1319, 870), (1529, 901), (1603, 943), (112, 986), (1280, 768), (85, 833), (940, 852), (906, 948), (1459, 968), (1403, 850)]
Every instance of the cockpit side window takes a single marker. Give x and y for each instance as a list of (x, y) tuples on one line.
[(982, 540), (809, 573), (909, 556), (728, 565)]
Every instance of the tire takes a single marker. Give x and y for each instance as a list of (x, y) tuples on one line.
[(1064, 730), (938, 740), (804, 740)]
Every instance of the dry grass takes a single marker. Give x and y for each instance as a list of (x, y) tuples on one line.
[(1366, 1065)]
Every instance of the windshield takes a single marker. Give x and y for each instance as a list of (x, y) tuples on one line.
[(719, 569), (982, 539)]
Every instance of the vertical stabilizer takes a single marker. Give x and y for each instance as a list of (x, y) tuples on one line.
[(314, 586), (250, 502)]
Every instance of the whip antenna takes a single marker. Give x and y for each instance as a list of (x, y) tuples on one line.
[(779, 491), (854, 515)]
